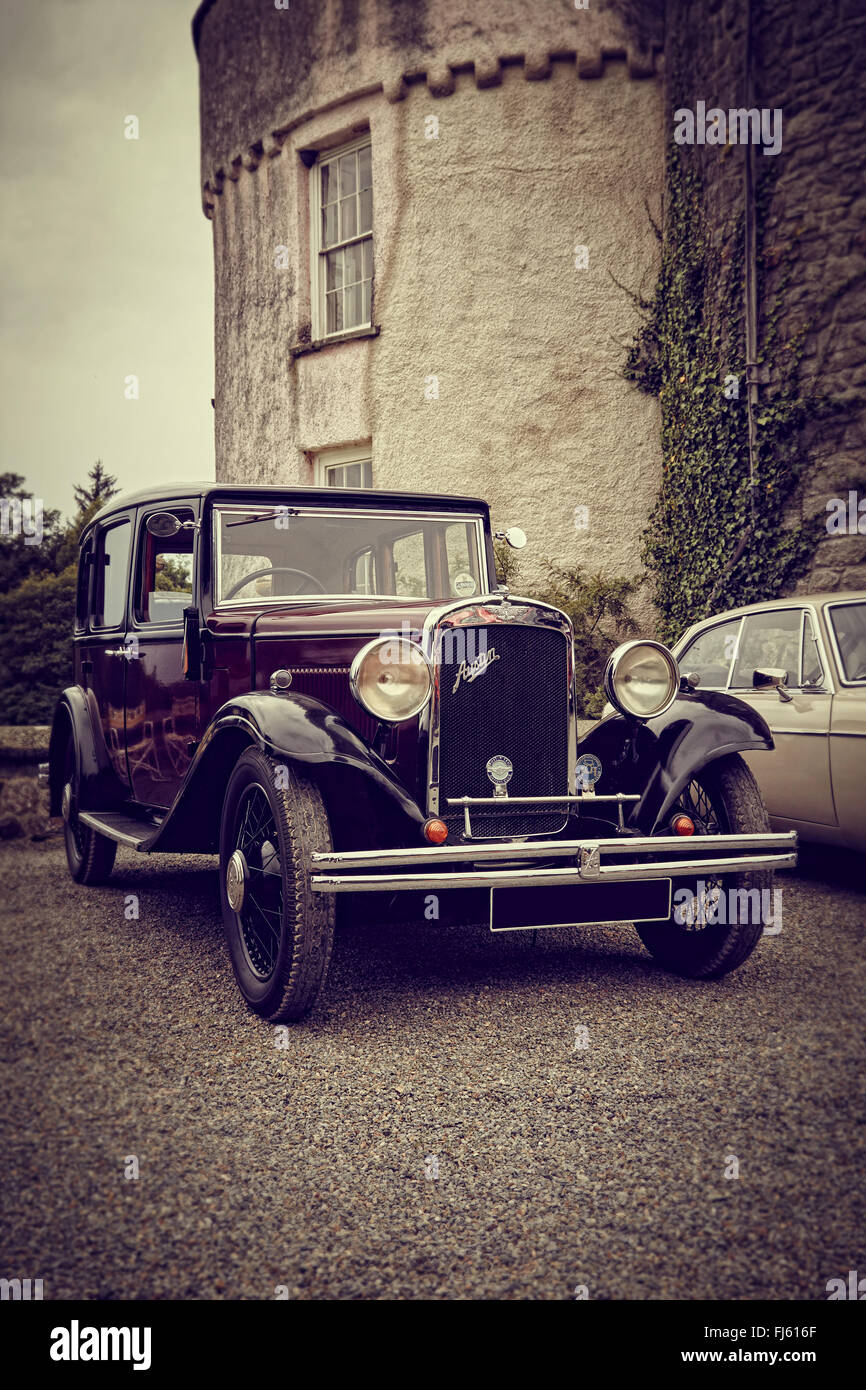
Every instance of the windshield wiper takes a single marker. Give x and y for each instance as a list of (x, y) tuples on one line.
[(265, 516)]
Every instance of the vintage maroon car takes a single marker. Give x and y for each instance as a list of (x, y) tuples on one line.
[(329, 689)]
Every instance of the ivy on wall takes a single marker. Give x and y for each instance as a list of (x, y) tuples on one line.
[(691, 354)]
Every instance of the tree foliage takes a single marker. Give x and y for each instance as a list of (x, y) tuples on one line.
[(37, 601), (720, 534), (597, 605)]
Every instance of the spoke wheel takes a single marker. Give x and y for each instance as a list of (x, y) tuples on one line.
[(699, 910), (261, 903), (719, 919), (279, 931)]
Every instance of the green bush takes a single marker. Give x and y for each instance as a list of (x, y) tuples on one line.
[(36, 621), (597, 606)]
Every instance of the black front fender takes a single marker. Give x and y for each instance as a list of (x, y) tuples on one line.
[(659, 758), (367, 805)]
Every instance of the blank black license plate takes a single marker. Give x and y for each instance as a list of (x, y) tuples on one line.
[(576, 904)]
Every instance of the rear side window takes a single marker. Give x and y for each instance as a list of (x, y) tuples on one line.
[(112, 567), (85, 564), (410, 568)]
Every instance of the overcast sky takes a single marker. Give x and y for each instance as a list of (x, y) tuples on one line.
[(107, 260)]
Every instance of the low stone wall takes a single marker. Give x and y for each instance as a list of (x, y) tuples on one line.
[(23, 799)]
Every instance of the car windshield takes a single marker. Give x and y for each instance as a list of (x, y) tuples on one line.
[(265, 554), (849, 626)]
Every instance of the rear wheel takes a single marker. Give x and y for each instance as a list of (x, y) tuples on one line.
[(90, 856), (699, 940), (280, 932)]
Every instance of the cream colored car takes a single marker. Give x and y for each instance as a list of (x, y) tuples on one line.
[(801, 663)]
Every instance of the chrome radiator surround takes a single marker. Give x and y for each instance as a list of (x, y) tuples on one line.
[(509, 609)]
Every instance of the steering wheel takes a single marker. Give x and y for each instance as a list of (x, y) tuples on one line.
[(278, 569)]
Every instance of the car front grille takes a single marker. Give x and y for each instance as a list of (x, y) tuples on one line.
[(516, 707)]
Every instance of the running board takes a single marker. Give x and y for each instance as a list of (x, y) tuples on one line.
[(125, 829)]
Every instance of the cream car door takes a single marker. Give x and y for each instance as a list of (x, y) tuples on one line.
[(795, 777)]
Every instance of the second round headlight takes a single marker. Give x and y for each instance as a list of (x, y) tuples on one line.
[(391, 679), (642, 679)]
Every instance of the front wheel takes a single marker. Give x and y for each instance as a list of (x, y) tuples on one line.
[(716, 921), (279, 931)]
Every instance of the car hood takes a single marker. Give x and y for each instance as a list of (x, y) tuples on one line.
[(330, 617)]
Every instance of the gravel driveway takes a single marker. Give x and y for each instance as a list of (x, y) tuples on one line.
[(438, 1129)]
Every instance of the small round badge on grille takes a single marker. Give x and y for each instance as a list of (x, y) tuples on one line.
[(499, 770), (588, 771)]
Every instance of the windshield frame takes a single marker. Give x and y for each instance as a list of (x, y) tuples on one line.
[(392, 516)]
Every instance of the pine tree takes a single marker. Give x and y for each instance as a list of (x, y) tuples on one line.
[(100, 487)]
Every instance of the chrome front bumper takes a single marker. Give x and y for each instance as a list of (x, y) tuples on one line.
[(710, 854)]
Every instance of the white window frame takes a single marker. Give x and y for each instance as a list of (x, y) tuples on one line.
[(318, 309), (338, 458)]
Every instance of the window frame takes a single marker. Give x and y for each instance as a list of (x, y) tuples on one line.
[(318, 304), (739, 691), (152, 624), (97, 586), (220, 509), (767, 613), (326, 459), (84, 577)]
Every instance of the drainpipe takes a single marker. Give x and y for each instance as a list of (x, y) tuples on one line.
[(750, 302), (751, 277)]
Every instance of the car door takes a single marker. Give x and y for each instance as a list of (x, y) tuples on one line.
[(795, 777), (846, 624), (161, 705), (103, 649)]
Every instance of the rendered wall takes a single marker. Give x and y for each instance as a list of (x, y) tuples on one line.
[(474, 234)]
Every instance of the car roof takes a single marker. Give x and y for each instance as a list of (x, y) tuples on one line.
[(171, 492), (767, 605)]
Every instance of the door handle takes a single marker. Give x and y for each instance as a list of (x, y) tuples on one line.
[(116, 651)]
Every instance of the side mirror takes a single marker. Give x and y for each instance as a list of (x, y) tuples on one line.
[(191, 662), (513, 537), (772, 676), (163, 524)]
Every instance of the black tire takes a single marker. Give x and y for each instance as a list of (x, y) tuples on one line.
[(708, 951), (90, 856), (281, 934)]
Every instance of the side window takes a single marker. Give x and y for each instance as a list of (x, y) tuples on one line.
[(769, 639), (410, 569), (352, 473), (85, 565), (813, 671), (363, 574), (164, 587), (711, 655), (112, 565), (462, 559)]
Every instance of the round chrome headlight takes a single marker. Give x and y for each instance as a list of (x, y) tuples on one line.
[(391, 679), (642, 679)]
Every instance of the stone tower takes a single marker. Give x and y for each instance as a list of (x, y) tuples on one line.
[(462, 325)]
